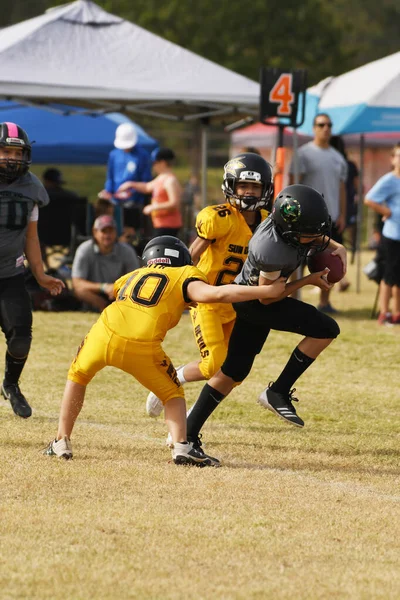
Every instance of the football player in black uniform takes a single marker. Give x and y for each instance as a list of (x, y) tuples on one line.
[(299, 223), (21, 193)]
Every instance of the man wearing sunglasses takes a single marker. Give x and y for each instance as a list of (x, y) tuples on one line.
[(323, 168)]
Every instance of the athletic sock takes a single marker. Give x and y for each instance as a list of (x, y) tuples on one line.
[(205, 405), (181, 377), (296, 365), (14, 368)]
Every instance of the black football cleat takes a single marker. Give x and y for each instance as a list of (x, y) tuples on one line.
[(281, 405), (19, 404)]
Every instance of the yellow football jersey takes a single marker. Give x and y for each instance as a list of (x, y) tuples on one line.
[(230, 234), (150, 301)]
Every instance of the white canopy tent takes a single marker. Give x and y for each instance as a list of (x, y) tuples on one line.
[(78, 54)]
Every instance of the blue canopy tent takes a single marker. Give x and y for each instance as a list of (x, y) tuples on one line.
[(62, 137)]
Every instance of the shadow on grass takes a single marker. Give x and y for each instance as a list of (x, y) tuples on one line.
[(356, 314), (314, 467)]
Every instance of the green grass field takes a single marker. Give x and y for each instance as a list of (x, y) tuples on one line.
[(309, 513)]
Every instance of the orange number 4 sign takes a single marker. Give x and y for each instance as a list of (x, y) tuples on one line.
[(282, 95)]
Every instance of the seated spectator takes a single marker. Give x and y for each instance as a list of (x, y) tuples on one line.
[(99, 262), (55, 219), (165, 207)]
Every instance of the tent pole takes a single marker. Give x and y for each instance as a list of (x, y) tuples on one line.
[(204, 144), (360, 208)]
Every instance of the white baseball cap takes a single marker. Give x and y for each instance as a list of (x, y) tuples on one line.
[(125, 136)]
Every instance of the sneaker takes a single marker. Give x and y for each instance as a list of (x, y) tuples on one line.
[(281, 405), (61, 448), (19, 404), (186, 454), (327, 309), (396, 319), (385, 319), (154, 406)]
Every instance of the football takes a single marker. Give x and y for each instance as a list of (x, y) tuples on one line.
[(319, 260)]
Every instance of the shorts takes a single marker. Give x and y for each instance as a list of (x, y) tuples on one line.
[(145, 361), (15, 306), (390, 250), (212, 338)]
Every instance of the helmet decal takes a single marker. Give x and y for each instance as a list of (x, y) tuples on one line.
[(290, 210), (234, 164), (160, 260)]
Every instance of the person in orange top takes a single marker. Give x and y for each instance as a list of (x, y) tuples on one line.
[(166, 193)]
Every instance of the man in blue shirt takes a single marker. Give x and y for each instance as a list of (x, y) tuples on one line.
[(127, 162)]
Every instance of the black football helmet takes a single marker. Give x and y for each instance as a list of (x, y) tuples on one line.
[(299, 211), (13, 136), (249, 167), (166, 250)]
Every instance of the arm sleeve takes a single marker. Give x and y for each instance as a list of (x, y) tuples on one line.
[(344, 171), (380, 191), (271, 275), (41, 195), (109, 184), (35, 213), (210, 225), (194, 274), (80, 266)]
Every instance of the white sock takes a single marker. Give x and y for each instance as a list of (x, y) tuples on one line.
[(181, 377)]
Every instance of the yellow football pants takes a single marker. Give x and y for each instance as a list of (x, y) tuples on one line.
[(212, 338), (145, 361)]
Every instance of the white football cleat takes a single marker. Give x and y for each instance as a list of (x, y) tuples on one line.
[(154, 406), (61, 448), (186, 454)]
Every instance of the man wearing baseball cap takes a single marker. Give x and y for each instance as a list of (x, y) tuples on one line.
[(127, 162), (99, 262)]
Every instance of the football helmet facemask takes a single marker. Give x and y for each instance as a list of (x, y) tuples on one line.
[(166, 250), (299, 211), (248, 167), (13, 136)]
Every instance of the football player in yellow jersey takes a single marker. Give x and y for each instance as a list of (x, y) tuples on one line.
[(219, 251), (129, 333)]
